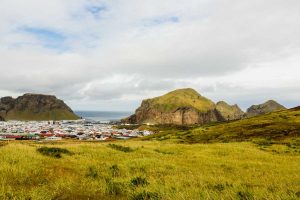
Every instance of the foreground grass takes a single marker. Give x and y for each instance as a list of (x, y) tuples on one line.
[(151, 170)]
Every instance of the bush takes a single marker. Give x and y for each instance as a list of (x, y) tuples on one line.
[(139, 181), (53, 151), (120, 148)]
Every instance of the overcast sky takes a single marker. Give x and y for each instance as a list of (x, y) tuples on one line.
[(111, 54)]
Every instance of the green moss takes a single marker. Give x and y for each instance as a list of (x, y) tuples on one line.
[(55, 114), (179, 99)]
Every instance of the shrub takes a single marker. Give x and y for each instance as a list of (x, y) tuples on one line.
[(120, 148), (53, 151), (144, 195), (139, 181)]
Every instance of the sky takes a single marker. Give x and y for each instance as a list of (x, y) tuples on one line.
[(110, 54)]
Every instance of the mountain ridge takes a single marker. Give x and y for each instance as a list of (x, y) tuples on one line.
[(186, 107)]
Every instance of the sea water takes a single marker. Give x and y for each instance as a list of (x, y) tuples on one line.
[(103, 116)]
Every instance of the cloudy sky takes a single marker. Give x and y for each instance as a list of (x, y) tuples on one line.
[(111, 54)]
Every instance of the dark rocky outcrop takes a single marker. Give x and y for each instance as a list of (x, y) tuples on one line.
[(35, 107), (267, 107), (229, 112)]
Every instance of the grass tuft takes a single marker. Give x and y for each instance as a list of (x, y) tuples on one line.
[(139, 181), (54, 152), (114, 170), (92, 172), (145, 195), (245, 195), (113, 187), (120, 148)]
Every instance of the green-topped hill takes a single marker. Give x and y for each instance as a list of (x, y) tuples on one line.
[(181, 98), (267, 107), (181, 107), (35, 107)]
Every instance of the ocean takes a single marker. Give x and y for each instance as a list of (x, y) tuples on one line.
[(102, 116)]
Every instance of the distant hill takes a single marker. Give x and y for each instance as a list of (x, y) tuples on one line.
[(183, 107), (229, 112), (35, 107), (267, 107)]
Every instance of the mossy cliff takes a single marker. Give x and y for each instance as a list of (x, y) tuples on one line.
[(182, 107), (35, 107)]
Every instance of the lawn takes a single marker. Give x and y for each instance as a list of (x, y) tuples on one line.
[(148, 170)]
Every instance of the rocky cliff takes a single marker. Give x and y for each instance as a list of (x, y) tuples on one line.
[(267, 107), (35, 107), (229, 112), (183, 107)]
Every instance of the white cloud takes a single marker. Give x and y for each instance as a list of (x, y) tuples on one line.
[(116, 53)]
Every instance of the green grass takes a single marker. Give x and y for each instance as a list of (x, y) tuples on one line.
[(200, 171), (55, 114), (255, 158), (181, 98)]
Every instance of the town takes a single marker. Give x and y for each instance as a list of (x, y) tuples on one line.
[(59, 130)]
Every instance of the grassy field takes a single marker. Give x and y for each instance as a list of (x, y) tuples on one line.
[(148, 170)]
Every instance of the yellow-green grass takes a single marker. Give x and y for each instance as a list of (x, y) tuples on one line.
[(55, 114), (167, 170), (181, 98)]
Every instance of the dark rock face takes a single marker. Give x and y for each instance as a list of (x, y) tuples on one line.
[(267, 107), (35, 107), (228, 112)]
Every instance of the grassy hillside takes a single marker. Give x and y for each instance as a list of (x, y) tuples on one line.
[(55, 114), (146, 170), (182, 98), (273, 127)]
